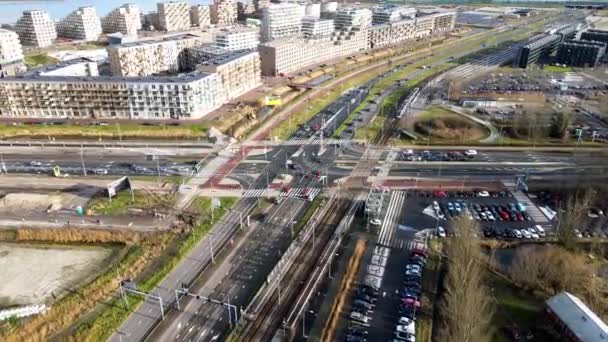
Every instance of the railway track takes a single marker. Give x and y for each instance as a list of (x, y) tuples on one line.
[(270, 318)]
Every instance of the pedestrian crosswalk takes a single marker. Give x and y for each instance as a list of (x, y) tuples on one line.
[(387, 236), (531, 208), (255, 193), (301, 192)]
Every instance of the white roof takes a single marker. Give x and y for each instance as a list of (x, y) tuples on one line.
[(581, 321)]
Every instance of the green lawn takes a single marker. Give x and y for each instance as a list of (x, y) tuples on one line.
[(122, 202), (38, 58), (371, 130), (114, 131), (557, 69)]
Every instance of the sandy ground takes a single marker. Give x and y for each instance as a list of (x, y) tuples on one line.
[(33, 274)]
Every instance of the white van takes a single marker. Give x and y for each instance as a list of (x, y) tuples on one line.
[(540, 230)]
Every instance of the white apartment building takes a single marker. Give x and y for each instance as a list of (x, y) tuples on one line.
[(82, 24), (151, 57), (385, 15), (404, 30), (285, 55), (125, 19), (200, 16), (281, 20), (223, 12), (241, 38), (353, 17), (35, 28), (173, 16), (315, 28), (11, 54)]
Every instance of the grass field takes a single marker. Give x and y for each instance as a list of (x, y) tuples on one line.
[(371, 130), (115, 131), (122, 202), (38, 58), (439, 124), (557, 69)]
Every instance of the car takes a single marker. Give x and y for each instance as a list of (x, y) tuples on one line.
[(540, 230), (526, 233), (364, 304), (519, 216), (441, 232), (490, 216), (595, 213), (100, 171), (476, 216), (405, 337), (457, 207), (407, 329), (435, 205), (440, 215), (483, 216), (518, 234), (359, 317), (450, 206), (367, 298), (483, 194), (375, 222), (355, 338), (410, 302), (470, 153), (439, 194), (413, 272)]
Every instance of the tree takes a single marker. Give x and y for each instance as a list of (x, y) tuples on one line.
[(467, 306), (560, 124), (571, 216)]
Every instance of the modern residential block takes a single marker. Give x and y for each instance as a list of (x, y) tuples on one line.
[(223, 12), (353, 17), (315, 28), (173, 16), (237, 72), (240, 38), (245, 9), (82, 24), (580, 53), (124, 19), (11, 53), (35, 28), (404, 30), (281, 20), (200, 16), (151, 57), (389, 14)]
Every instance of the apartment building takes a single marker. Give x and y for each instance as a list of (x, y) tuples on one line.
[(11, 54), (580, 53), (200, 16), (82, 24), (281, 20), (315, 28), (352, 17), (152, 57), (173, 16), (237, 72), (285, 55), (35, 28), (182, 97), (245, 9), (238, 38), (260, 5), (223, 12), (404, 30), (390, 14), (124, 19)]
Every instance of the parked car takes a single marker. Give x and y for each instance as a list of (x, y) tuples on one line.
[(441, 232), (540, 230), (375, 222), (359, 317)]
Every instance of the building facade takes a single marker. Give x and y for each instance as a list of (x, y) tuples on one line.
[(82, 24), (11, 54), (233, 39), (390, 14), (124, 19), (237, 72), (282, 56), (200, 16), (223, 12), (35, 28), (245, 9), (404, 30), (353, 17), (281, 20), (315, 28), (173, 16), (540, 48), (580, 53), (595, 35), (151, 57)]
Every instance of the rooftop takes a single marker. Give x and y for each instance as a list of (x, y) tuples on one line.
[(581, 321), (52, 67), (155, 41), (180, 78), (227, 57)]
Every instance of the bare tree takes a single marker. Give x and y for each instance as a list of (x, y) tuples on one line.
[(467, 306), (572, 215)]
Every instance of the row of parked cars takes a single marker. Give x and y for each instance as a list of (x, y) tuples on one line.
[(360, 316), (532, 233), (409, 298), (411, 155), (514, 212), (464, 194)]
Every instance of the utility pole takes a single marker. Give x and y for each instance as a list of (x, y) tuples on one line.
[(211, 248), (84, 168)]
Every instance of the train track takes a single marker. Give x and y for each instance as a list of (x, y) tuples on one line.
[(270, 318)]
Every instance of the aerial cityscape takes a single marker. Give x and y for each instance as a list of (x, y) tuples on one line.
[(304, 170)]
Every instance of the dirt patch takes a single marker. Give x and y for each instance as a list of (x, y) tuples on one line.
[(450, 128), (35, 274), (31, 202)]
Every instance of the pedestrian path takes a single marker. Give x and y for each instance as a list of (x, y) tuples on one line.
[(298, 192), (387, 236), (531, 208), (316, 141)]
